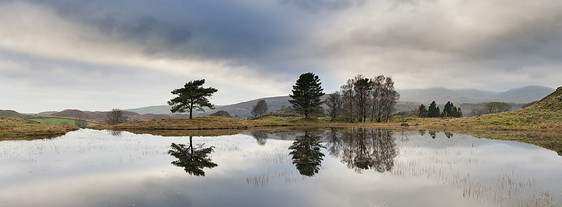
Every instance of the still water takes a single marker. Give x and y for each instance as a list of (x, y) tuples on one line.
[(360, 167)]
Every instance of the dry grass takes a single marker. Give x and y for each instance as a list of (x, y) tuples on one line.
[(12, 128)]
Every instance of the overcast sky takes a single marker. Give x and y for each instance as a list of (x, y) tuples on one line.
[(104, 54)]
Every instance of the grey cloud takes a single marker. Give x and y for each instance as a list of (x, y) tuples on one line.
[(502, 39), (194, 29), (321, 5)]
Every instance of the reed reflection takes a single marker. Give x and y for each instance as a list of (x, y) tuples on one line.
[(193, 160)]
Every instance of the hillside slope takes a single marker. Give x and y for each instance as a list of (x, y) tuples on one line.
[(540, 123), (13, 115), (442, 95), (546, 114)]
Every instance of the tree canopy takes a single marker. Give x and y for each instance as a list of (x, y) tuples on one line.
[(192, 96), (306, 95)]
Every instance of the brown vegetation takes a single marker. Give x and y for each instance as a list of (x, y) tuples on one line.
[(12, 128)]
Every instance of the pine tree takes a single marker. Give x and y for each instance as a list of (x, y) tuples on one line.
[(422, 111), (192, 96), (306, 95), (448, 109), (433, 110)]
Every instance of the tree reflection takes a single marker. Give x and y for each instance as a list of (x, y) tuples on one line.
[(260, 136), (448, 134), (306, 154), (364, 149), (433, 134), (193, 160)]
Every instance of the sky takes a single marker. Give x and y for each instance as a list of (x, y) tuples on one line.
[(105, 54)]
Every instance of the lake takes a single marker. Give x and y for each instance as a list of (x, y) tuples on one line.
[(333, 167)]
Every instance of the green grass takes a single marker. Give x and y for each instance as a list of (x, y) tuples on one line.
[(60, 121)]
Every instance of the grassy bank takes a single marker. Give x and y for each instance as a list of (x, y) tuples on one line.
[(198, 123), (12, 128), (59, 121)]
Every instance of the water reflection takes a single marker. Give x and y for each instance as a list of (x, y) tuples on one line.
[(306, 155), (193, 160), (364, 149), (115, 133), (433, 134), (260, 136)]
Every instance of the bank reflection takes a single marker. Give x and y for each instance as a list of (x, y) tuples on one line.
[(192, 159), (364, 149)]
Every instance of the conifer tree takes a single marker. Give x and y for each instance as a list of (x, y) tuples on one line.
[(192, 96), (306, 95), (422, 111), (433, 110)]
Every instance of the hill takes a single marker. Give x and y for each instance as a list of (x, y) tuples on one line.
[(546, 114), (442, 95), (523, 95), (98, 116), (13, 115), (543, 118)]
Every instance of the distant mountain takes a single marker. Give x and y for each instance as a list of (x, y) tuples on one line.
[(242, 109), (524, 95), (442, 95), (98, 116), (467, 99)]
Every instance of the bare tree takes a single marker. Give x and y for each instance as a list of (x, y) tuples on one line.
[(348, 99), (80, 120), (115, 116), (376, 97), (334, 103), (389, 98), (259, 109), (362, 88)]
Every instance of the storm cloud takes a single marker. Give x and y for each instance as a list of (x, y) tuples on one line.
[(130, 53)]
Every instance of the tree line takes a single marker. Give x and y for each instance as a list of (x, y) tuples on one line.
[(449, 110), (360, 99), (363, 98)]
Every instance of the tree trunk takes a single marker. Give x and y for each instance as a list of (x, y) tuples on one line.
[(191, 143), (190, 111)]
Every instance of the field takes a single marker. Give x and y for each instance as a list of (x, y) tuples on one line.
[(60, 121)]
